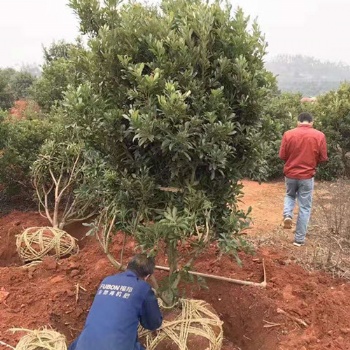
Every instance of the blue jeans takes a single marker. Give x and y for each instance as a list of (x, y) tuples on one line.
[(302, 191)]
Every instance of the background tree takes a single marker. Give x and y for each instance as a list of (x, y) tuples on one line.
[(21, 84), (14, 85), (331, 116), (20, 144), (332, 112), (21, 134), (3, 130), (311, 77), (6, 93), (58, 72), (279, 115), (58, 50)]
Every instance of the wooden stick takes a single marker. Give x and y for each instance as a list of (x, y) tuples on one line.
[(77, 288), (271, 324), (76, 293), (226, 279), (263, 284), (296, 319)]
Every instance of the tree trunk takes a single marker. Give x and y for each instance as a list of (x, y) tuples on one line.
[(168, 295)]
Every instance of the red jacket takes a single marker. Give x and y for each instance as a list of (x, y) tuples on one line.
[(302, 149)]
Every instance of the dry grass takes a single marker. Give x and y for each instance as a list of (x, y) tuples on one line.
[(328, 240)]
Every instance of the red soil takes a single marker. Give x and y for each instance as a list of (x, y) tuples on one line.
[(21, 107), (47, 294)]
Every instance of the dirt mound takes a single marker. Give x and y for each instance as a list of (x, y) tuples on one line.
[(12, 225), (16, 222), (51, 293), (59, 293), (251, 318)]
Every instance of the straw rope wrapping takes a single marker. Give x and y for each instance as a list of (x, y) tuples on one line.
[(36, 242), (41, 339), (195, 318)]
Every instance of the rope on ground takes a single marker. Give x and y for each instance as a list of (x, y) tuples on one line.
[(36, 242), (194, 319), (7, 345), (31, 264), (40, 339)]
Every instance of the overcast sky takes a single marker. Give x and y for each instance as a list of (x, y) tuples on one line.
[(318, 28)]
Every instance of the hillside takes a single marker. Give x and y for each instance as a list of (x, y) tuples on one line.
[(307, 75)]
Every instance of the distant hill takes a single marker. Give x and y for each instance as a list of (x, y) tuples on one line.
[(307, 75)]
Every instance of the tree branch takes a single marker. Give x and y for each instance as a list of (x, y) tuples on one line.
[(72, 173), (46, 206), (53, 177)]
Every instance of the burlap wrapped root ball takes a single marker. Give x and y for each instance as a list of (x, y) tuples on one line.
[(194, 325), (42, 339), (37, 242)]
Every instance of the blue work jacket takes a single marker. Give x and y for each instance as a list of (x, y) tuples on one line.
[(121, 303)]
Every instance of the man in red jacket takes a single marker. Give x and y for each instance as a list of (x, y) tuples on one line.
[(302, 149)]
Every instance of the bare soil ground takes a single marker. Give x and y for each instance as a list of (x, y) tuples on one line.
[(316, 305)]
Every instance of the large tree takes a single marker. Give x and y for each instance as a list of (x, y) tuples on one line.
[(172, 99)]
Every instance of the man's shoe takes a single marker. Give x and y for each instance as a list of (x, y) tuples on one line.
[(298, 244), (287, 222)]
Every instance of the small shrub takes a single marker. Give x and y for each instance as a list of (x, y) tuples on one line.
[(20, 144), (58, 173), (332, 114)]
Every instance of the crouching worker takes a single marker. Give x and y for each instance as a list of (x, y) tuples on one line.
[(122, 302)]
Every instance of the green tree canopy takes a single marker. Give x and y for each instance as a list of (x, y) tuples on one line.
[(172, 98), (332, 115), (6, 94), (21, 84), (58, 72), (14, 85)]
